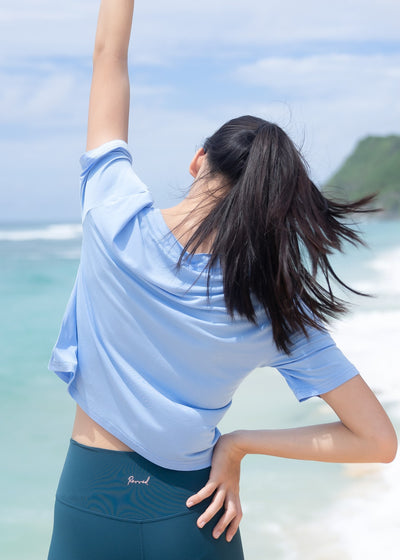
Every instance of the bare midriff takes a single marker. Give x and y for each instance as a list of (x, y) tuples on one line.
[(88, 432)]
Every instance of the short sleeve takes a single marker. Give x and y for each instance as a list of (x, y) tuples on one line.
[(315, 366), (107, 178)]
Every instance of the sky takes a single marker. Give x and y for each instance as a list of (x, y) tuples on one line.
[(328, 73)]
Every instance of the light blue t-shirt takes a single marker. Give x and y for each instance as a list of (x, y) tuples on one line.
[(144, 352)]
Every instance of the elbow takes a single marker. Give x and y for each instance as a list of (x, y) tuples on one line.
[(103, 52), (386, 447), (391, 453)]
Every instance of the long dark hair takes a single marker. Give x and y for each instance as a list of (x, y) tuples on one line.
[(272, 229)]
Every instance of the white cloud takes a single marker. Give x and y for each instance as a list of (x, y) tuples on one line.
[(325, 75), (54, 96), (176, 28), (328, 100), (339, 98), (36, 106), (47, 28)]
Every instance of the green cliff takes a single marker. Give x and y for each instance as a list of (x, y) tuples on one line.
[(373, 167)]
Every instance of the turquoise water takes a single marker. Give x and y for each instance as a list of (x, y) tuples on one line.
[(286, 503)]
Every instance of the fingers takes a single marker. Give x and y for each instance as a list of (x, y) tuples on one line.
[(231, 517), (202, 494), (212, 509), (233, 527)]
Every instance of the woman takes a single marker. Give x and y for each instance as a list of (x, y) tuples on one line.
[(171, 309)]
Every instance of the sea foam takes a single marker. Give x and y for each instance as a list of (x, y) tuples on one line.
[(56, 232), (363, 521), (384, 277)]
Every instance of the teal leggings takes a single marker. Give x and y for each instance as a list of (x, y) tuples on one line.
[(117, 505)]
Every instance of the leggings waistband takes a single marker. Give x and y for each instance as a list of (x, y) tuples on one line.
[(125, 485)]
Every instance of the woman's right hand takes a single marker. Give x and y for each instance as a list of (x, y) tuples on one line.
[(223, 482)]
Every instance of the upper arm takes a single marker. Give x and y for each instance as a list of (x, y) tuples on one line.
[(360, 411), (109, 100), (317, 367)]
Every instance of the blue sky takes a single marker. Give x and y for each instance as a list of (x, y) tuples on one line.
[(329, 74)]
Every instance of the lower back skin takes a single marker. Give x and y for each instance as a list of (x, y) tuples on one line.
[(88, 432)]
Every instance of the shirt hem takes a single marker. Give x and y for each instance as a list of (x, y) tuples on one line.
[(134, 445)]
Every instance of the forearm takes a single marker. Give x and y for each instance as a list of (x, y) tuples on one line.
[(110, 90), (333, 443), (364, 434), (114, 28)]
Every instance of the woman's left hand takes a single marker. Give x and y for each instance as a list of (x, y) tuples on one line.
[(224, 484)]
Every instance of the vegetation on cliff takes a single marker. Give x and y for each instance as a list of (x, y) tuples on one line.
[(373, 167)]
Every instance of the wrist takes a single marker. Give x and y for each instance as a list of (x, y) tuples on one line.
[(237, 444)]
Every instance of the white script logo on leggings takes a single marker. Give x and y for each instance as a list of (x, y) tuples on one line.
[(132, 480)]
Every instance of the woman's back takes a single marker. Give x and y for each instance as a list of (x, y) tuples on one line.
[(148, 349), (155, 340)]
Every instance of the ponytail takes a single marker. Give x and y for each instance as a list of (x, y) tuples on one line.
[(273, 229)]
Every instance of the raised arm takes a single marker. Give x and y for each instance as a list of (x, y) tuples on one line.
[(110, 91)]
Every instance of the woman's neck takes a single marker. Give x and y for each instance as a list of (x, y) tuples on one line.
[(184, 218)]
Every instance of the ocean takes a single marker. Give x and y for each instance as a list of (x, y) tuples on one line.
[(293, 510)]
